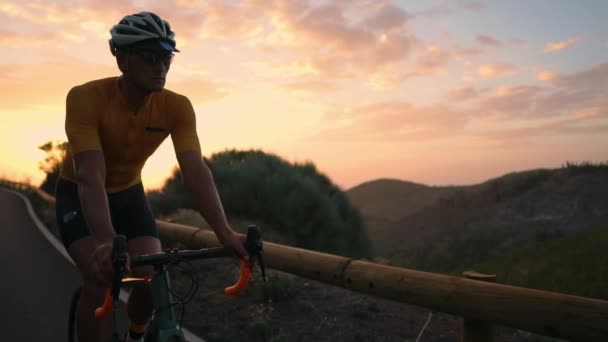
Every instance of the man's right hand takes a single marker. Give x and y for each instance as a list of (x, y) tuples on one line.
[(100, 265)]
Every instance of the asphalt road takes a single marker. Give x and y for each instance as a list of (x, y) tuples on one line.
[(37, 281)]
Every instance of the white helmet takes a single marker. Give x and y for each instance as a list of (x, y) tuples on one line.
[(142, 26)]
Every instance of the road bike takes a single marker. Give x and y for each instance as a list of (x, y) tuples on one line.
[(163, 325)]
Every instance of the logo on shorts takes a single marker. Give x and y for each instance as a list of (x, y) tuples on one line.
[(69, 216)]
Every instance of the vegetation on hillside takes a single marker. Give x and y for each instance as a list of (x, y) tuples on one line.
[(575, 265), (585, 166), (531, 228)]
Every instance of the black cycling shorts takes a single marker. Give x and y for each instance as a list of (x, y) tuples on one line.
[(129, 210)]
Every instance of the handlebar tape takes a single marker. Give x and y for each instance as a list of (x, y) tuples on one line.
[(119, 249), (107, 306), (241, 284)]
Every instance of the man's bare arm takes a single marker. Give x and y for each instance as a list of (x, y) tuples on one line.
[(91, 173), (199, 180)]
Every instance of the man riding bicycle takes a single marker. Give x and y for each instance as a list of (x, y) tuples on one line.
[(113, 125)]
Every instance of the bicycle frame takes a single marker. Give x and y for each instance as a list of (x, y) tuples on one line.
[(163, 326)]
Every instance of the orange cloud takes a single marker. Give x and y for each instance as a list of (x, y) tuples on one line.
[(462, 94), (564, 95), (463, 52), (590, 80), (519, 42), (511, 102), (556, 46), (224, 20), (75, 22), (388, 18), (573, 104), (392, 121), (545, 75), (336, 47), (495, 70), (310, 86), (432, 62), (449, 7), (187, 3), (488, 41)]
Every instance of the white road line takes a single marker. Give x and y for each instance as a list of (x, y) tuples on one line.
[(124, 295)]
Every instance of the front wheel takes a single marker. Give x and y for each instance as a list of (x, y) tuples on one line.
[(72, 335)]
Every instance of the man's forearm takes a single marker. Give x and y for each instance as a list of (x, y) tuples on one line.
[(206, 199), (96, 211)]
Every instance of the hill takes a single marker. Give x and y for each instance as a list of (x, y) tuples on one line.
[(449, 229), (391, 199), (573, 265)]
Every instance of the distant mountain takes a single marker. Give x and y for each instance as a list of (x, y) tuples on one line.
[(383, 202), (445, 229), (392, 199)]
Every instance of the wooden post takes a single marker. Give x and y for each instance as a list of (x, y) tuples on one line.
[(477, 330)]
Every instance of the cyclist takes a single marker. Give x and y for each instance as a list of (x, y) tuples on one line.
[(113, 125)]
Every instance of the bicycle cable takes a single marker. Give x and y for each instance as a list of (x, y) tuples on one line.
[(191, 292), (194, 284)]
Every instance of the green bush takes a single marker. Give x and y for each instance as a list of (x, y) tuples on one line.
[(303, 205), (51, 165)]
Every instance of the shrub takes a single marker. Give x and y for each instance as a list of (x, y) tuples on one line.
[(297, 201)]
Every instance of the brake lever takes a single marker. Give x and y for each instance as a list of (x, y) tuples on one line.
[(255, 247), (119, 258)]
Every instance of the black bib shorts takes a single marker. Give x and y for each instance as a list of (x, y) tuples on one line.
[(129, 210)]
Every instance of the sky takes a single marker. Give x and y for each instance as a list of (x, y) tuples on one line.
[(434, 92)]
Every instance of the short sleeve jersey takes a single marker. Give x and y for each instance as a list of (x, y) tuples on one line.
[(98, 118)]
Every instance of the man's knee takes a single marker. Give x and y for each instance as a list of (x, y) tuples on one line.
[(92, 292), (80, 251), (144, 245)]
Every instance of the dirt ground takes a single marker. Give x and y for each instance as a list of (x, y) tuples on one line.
[(289, 308)]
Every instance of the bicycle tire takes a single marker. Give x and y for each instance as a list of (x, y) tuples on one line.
[(72, 315), (152, 332)]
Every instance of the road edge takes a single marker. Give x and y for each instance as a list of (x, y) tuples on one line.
[(124, 295)]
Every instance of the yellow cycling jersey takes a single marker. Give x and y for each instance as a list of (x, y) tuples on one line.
[(98, 118)]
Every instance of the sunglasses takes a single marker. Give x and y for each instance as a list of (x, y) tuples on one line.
[(153, 58)]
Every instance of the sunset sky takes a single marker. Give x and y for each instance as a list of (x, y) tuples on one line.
[(435, 92)]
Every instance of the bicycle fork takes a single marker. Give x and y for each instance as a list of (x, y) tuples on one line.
[(163, 324)]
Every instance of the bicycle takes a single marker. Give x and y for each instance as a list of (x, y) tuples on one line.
[(163, 325)]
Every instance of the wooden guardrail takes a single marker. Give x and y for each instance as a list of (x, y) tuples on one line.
[(542, 312), (547, 313)]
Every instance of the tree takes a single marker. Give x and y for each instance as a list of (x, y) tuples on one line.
[(51, 165)]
